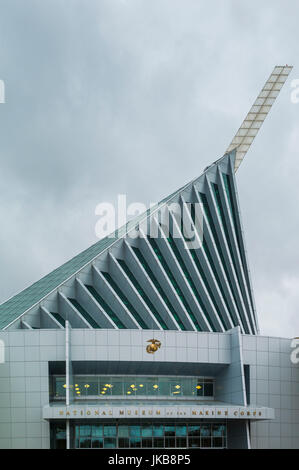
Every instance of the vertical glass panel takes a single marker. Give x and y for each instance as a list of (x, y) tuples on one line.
[(105, 386), (59, 387), (97, 442), (147, 430), (194, 430), (130, 387), (181, 430), (208, 389), (158, 442), (187, 386), (141, 386), (223, 428), (194, 441), (164, 386), (123, 442), (169, 442), (135, 442), (85, 430), (85, 443), (147, 442), (169, 430), (77, 432), (117, 386), (206, 442), (90, 386), (181, 442), (97, 430), (218, 430), (217, 442), (176, 387), (80, 390), (205, 430), (109, 431), (199, 388), (153, 386), (193, 384), (158, 430), (123, 431), (110, 442), (135, 430), (58, 432)]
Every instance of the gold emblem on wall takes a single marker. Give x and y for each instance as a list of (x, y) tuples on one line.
[(154, 346)]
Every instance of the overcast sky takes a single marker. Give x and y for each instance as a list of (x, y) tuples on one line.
[(136, 97)]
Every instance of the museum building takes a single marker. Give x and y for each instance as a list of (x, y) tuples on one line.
[(150, 337)]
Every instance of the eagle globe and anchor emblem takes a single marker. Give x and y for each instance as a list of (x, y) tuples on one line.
[(154, 346)]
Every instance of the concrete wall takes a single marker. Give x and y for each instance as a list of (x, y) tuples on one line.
[(230, 385), (24, 386), (274, 382)]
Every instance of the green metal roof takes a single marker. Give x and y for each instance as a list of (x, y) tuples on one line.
[(24, 300)]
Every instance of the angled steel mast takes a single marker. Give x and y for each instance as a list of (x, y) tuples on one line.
[(258, 113)]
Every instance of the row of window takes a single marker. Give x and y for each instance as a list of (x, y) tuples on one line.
[(150, 435), (134, 386), (155, 442), (145, 435)]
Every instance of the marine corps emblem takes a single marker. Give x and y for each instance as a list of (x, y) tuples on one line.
[(154, 346)]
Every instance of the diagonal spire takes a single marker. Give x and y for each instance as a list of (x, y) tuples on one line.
[(258, 113)]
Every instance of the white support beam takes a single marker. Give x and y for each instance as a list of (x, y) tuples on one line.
[(258, 113)]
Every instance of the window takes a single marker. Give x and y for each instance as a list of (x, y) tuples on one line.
[(106, 386), (58, 436), (97, 437), (135, 439), (146, 435)]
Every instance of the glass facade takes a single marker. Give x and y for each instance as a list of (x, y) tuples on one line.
[(58, 435), (210, 220), (158, 287), (173, 281), (150, 435), (134, 386)]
